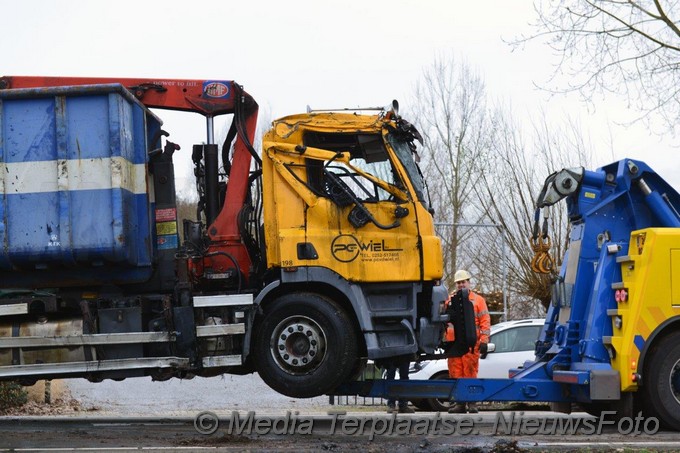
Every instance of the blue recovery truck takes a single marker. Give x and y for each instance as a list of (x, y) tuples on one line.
[(611, 339)]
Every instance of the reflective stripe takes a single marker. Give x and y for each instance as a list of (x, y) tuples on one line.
[(73, 174), (485, 332), (482, 313)]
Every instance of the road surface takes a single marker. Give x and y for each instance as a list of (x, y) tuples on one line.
[(236, 413)]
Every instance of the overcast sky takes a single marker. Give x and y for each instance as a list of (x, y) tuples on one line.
[(294, 53)]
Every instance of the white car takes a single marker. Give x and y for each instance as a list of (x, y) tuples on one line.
[(510, 345)]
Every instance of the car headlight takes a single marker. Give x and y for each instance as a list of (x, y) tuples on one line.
[(417, 366)]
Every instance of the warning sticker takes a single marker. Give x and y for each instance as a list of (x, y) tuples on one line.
[(166, 228), (165, 215), (167, 242)]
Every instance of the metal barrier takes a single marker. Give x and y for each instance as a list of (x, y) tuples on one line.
[(370, 372)]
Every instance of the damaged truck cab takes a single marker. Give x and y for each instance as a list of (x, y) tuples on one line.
[(303, 261), (346, 218)]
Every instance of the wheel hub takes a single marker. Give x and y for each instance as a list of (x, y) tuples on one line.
[(299, 344), (674, 381)]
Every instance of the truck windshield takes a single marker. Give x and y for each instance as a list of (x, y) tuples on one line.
[(368, 153), (402, 149)]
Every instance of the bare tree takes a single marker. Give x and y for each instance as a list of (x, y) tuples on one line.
[(484, 166), (627, 47), (507, 192), (451, 116)]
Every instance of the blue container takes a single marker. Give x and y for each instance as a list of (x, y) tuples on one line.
[(74, 204)]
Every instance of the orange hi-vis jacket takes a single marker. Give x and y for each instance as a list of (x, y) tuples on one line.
[(482, 320), (467, 366)]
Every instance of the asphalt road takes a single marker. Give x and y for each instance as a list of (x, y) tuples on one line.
[(237, 413), (299, 432)]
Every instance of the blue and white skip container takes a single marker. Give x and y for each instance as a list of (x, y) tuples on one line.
[(75, 203)]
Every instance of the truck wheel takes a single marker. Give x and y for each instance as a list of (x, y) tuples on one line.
[(359, 370), (305, 345), (662, 382)]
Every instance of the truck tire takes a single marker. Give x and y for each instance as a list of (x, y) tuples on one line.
[(305, 345), (359, 370), (661, 388)]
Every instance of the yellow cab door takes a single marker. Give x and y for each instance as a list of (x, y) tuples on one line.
[(343, 192), (365, 225)]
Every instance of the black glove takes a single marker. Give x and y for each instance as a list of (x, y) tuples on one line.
[(483, 348)]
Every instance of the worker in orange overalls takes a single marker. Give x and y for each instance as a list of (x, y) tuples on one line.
[(468, 365)]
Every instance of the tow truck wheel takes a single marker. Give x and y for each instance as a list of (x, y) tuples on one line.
[(305, 345), (662, 382)]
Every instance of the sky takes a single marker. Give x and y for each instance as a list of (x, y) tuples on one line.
[(325, 54)]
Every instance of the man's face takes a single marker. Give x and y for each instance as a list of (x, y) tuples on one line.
[(465, 284)]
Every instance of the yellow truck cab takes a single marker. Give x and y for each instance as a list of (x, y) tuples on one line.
[(346, 216)]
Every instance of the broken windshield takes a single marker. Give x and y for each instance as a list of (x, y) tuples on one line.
[(402, 149)]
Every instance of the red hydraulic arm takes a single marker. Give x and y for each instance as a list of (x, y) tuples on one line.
[(208, 98)]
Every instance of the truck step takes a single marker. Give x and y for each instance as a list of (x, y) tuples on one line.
[(625, 259), (220, 330), (221, 361), (13, 309), (223, 300)]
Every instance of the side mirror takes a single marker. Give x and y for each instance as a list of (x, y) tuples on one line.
[(490, 347)]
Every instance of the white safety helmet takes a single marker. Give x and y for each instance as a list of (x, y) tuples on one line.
[(461, 275)]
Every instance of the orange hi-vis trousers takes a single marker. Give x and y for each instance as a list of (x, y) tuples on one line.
[(466, 366)]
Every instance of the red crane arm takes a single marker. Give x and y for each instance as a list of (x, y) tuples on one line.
[(207, 97)]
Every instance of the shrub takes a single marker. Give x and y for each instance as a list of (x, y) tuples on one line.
[(12, 395)]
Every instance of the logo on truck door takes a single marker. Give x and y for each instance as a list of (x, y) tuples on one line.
[(346, 248)]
